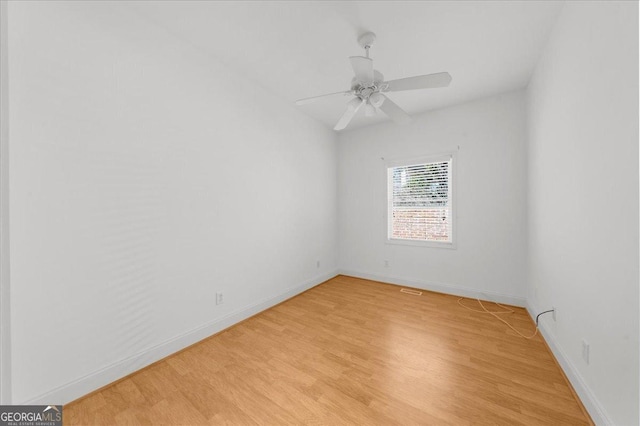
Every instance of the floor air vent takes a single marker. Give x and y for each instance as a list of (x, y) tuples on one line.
[(409, 291)]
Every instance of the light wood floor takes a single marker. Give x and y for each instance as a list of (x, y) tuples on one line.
[(349, 351)]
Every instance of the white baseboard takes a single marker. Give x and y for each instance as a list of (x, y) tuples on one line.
[(589, 400), (455, 290), (89, 383)]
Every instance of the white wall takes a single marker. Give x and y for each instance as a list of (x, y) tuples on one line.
[(145, 177), (583, 201), (5, 305), (490, 257)]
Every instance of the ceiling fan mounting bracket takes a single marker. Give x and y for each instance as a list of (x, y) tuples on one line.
[(366, 40)]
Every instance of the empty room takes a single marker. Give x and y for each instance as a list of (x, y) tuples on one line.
[(319, 212)]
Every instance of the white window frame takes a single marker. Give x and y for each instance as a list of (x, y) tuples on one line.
[(402, 162)]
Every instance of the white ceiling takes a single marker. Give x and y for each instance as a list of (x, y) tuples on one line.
[(301, 49)]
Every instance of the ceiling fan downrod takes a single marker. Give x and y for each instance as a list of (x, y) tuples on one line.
[(366, 41)]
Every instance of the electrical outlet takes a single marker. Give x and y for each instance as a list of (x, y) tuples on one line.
[(585, 351), (386, 263), (317, 263), (554, 313), (219, 298)]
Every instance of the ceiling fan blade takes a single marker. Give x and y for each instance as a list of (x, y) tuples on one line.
[(394, 112), (429, 81), (352, 108), (315, 98), (363, 69)]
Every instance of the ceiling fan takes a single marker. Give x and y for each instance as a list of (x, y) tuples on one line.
[(368, 88)]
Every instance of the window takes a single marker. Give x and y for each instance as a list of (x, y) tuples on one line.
[(420, 202)]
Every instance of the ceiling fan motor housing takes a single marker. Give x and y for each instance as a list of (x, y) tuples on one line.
[(365, 91)]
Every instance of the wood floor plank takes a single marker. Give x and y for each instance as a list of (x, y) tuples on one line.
[(350, 351)]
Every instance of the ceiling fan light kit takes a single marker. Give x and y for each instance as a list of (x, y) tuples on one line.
[(369, 110), (376, 99), (368, 87)]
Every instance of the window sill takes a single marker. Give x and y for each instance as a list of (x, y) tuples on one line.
[(414, 243)]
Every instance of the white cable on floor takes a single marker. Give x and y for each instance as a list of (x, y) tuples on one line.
[(494, 313), (507, 311)]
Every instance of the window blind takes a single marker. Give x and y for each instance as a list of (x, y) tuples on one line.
[(420, 201)]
